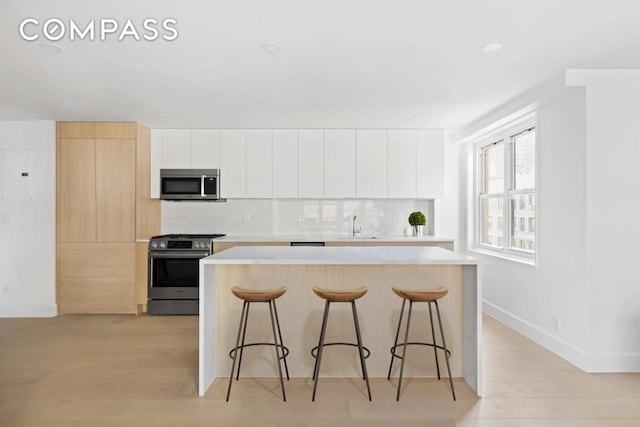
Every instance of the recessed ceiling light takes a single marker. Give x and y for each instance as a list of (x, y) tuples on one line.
[(271, 48), (50, 48), (491, 47)]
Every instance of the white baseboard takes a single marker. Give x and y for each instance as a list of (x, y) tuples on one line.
[(607, 362), (29, 310), (562, 348)]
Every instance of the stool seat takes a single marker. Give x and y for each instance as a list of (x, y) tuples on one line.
[(422, 295), (340, 295), (258, 295)]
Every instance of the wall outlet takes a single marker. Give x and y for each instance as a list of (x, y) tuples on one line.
[(557, 325)]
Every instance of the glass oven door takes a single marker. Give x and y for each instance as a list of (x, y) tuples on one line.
[(174, 275)]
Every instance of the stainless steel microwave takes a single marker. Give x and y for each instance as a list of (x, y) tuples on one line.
[(190, 184)]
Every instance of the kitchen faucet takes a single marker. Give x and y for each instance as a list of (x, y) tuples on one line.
[(355, 230)]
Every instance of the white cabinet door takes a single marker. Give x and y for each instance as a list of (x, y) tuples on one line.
[(430, 156), (339, 163), (205, 148), (310, 163), (259, 163), (285, 163), (401, 163), (371, 164), (155, 163), (233, 160), (176, 148)]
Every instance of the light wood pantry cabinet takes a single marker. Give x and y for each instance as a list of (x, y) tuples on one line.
[(77, 203), (115, 190), (103, 207)]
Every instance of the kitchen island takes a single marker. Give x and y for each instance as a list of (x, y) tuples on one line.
[(301, 268)]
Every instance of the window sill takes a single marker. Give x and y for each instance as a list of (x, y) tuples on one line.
[(505, 256)]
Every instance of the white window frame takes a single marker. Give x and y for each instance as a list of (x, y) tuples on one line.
[(505, 136)]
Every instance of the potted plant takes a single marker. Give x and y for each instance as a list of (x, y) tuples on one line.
[(417, 220)]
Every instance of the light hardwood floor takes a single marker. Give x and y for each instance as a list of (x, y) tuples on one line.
[(142, 371)]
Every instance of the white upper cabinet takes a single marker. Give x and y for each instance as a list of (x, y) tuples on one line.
[(259, 163), (401, 164), (310, 163), (339, 163), (430, 163), (176, 148), (371, 163), (285, 163), (205, 148), (233, 161)]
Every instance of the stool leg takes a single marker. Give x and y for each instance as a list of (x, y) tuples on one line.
[(275, 311), (235, 353), (404, 351), (316, 370), (446, 354), (244, 332), (361, 351), (395, 342), (275, 341), (433, 335)]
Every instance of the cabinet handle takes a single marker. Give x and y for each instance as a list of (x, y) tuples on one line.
[(202, 185)]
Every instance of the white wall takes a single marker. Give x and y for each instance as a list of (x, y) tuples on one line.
[(613, 219), (528, 298), (27, 219), (588, 222)]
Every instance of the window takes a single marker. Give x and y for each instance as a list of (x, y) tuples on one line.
[(491, 199), (507, 190)]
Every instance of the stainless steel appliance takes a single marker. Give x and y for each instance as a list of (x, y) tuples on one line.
[(174, 271), (190, 184)]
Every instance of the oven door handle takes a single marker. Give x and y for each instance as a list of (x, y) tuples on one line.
[(195, 255)]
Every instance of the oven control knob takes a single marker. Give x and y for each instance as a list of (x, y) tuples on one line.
[(163, 245), (154, 245), (196, 245)]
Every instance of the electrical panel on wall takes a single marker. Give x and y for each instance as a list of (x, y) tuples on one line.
[(16, 181)]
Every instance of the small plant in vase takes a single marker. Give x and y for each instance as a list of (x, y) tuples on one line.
[(417, 220)]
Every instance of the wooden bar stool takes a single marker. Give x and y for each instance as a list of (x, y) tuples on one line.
[(429, 296), (334, 295), (269, 296)]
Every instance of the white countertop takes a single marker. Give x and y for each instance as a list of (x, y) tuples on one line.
[(348, 255), (329, 238)]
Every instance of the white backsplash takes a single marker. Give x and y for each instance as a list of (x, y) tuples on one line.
[(293, 216)]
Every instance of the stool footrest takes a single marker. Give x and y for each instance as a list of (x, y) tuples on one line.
[(285, 350), (426, 344), (314, 350)]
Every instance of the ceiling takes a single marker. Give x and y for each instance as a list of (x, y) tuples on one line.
[(359, 63)]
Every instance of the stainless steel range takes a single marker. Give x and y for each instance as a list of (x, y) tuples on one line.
[(174, 271)]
